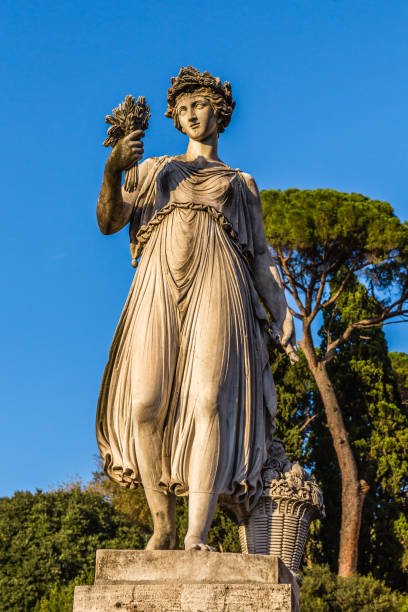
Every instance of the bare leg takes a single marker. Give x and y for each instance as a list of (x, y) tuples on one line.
[(163, 510), (201, 507), (162, 507), (203, 461)]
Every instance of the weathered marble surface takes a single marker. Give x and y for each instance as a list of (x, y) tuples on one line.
[(187, 401), (175, 566), (184, 598), (192, 581)]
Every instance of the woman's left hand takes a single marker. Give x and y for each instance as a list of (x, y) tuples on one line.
[(285, 335), (291, 351)]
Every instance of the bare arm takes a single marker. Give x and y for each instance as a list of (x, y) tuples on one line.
[(267, 280), (114, 205)]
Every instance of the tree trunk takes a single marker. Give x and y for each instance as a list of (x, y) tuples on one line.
[(353, 491)]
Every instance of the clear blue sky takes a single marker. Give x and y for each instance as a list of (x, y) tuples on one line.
[(322, 98)]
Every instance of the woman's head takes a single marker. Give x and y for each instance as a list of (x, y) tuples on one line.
[(192, 81)]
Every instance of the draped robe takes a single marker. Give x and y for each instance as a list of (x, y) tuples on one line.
[(192, 331)]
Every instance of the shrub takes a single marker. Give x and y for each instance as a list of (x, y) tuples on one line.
[(323, 591)]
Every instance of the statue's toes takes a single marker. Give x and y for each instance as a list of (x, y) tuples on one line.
[(193, 543), (201, 546)]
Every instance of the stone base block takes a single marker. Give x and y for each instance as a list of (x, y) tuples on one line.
[(186, 598), (194, 581)]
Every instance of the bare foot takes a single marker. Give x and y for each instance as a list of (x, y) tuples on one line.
[(162, 540), (194, 543)]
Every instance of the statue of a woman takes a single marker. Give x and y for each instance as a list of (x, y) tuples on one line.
[(187, 401)]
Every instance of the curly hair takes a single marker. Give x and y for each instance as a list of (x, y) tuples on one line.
[(192, 81)]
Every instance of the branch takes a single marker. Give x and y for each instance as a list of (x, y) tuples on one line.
[(334, 297), (285, 259), (321, 288), (328, 328), (340, 289), (405, 320), (388, 313), (282, 273), (312, 284), (291, 281), (319, 294), (310, 290), (295, 314), (307, 422)]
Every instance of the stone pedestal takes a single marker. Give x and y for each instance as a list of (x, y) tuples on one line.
[(194, 581)]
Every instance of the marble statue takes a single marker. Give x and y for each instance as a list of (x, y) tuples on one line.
[(187, 401)]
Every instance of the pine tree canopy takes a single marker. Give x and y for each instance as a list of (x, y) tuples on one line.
[(317, 234)]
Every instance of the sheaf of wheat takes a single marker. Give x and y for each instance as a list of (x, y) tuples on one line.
[(126, 118)]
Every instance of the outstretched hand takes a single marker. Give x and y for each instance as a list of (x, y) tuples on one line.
[(127, 152)]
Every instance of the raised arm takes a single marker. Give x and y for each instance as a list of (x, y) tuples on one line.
[(114, 204), (267, 280)]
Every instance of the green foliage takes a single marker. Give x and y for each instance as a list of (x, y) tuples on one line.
[(128, 502), (60, 597), (299, 416), (48, 539), (400, 530), (366, 386), (296, 396), (400, 366), (223, 534), (377, 423), (323, 591)]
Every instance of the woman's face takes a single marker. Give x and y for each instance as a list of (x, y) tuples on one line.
[(196, 116)]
